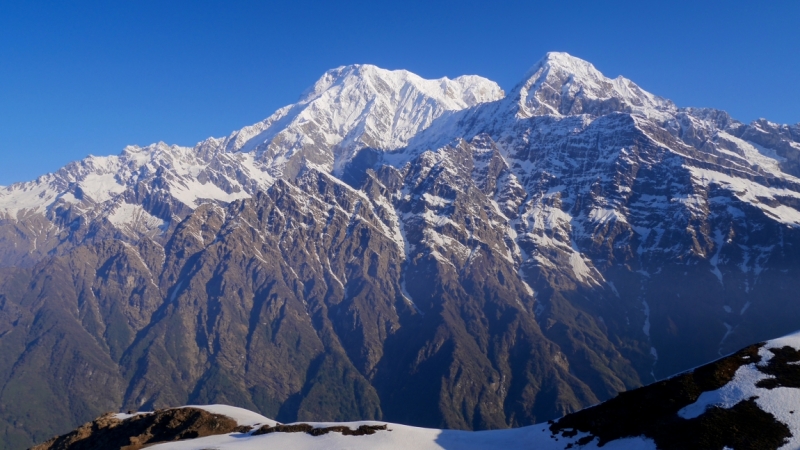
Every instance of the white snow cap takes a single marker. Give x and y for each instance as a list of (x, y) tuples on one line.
[(459, 93), (358, 106), (561, 84)]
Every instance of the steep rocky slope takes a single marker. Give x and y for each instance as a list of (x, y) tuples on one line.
[(421, 251)]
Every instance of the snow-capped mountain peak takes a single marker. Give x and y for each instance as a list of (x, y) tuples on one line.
[(561, 84), (459, 93), (349, 108), (354, 107)]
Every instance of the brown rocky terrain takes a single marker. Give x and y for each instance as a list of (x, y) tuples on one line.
[(143, 430)]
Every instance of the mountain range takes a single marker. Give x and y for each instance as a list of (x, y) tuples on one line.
[(429, 252)]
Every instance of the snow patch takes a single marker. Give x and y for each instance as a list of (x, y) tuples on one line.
[(132, 217), (779, 402)]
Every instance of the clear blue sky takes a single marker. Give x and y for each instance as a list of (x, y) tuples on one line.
[(79, 78)]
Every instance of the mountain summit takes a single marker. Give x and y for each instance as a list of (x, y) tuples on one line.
[(355, 107), (427, 252), (563, 85)]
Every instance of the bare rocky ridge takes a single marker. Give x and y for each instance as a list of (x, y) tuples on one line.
[(143, 430), (146, 429), (419, 251)]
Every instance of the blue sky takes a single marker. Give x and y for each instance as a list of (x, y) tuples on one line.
[(79, 77)]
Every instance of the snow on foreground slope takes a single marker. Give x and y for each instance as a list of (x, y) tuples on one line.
[(748, 400), (394, 437)]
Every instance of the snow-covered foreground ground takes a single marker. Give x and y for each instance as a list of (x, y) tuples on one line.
[(396, 437)]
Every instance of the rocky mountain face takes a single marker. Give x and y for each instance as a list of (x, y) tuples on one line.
[(429, 252)]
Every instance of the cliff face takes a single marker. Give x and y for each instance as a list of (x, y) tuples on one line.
[(419, 251)]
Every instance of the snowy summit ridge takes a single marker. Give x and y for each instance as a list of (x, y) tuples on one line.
[(353, 107), (562, 85), (348, 108)]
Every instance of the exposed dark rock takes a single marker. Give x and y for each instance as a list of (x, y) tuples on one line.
[(141, 430), (292, 428), (784, 367), (362, 430), (651, 411)]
